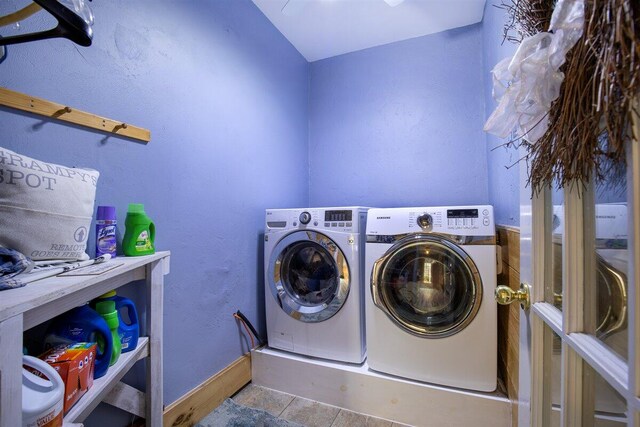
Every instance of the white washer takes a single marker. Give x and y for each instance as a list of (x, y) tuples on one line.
[(314, 283), (430, 310)]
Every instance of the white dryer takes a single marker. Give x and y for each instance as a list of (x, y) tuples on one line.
[(314, 282), (430, 311)]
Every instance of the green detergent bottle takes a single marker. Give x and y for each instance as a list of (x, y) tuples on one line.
[(140, 232)]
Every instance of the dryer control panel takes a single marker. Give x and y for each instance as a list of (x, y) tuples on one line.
[(456, 220)]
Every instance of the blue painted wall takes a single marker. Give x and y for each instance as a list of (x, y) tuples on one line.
[(503, 175), (225, 97), (400, 124), (241, 122)]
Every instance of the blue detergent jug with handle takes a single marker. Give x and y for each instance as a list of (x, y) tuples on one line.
[(128, 328), (83, 324)]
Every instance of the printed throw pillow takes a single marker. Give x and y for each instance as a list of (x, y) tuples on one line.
[(45, 209)]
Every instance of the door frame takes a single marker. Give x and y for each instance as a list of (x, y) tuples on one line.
[(574, 327)]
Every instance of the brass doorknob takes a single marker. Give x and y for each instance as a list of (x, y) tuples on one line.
[(505, 295)]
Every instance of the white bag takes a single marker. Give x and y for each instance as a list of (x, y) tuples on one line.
[(526, 85), (45, 209)]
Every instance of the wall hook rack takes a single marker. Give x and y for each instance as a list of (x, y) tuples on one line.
[(53, 110)]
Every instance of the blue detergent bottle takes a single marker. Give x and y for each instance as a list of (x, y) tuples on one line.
[(83, 324), (128, 328)]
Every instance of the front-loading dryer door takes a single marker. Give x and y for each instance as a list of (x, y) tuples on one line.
[(308, 276), (427, 285)]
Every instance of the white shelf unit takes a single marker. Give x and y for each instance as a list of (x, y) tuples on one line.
[(26, 307)]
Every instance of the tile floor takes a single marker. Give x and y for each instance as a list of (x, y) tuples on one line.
[(304, 411)]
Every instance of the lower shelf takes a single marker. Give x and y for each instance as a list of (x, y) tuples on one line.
[(102, 386)]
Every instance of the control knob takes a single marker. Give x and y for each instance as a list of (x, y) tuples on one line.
[(305, 217), (425, 221)]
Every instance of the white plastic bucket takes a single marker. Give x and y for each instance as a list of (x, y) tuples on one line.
[(42, 400)]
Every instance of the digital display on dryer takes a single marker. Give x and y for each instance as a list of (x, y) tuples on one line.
[(462, 213), (338, 215)]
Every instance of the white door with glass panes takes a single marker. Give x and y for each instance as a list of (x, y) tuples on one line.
[(580, 337)]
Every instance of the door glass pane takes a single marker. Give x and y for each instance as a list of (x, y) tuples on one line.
[(309, 272), (604, 405), (553, 295), (552, 379), (611, 265), (429, 287)]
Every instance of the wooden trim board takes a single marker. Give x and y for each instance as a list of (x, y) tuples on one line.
[(53, 110), (196, 404), (509, 316)]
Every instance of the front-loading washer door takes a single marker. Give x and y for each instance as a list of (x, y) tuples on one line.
[(308, 276), (427, 285)]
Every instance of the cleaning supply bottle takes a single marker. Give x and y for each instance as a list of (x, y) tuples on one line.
[(140, 232), (42, 399), (83, 324), (107, 309), (128, 328), (106, 231)]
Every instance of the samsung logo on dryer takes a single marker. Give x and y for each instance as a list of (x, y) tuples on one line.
[(383, 217)]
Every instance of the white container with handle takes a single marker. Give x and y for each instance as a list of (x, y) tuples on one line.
[(42, 399)]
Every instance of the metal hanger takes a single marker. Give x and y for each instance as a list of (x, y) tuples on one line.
[(70, 25)]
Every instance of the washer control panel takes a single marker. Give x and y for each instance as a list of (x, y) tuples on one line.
[(330, 219)]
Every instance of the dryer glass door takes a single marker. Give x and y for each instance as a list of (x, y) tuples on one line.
[(309, 276), (428, 286)]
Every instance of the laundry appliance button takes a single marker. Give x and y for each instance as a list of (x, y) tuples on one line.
[(305, 217), (425, 221)]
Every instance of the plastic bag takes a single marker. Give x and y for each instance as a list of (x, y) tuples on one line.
[(81, 8), (526, 84)]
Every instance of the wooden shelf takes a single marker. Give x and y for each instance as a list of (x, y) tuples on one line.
[(25, 307), (46, 298)]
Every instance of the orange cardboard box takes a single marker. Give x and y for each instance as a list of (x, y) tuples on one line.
[(75, 364)]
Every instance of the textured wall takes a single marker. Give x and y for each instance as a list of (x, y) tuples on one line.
[(232, 107), (225, 97), (504, 193), (400, 124)]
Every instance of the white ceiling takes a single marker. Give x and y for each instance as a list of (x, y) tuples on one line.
[(324, 28)]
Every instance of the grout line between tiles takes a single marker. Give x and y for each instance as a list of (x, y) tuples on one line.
[(285, 408), (336, 417)]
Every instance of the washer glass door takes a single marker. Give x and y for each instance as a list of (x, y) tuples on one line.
[(427, 285), (309, 276)]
